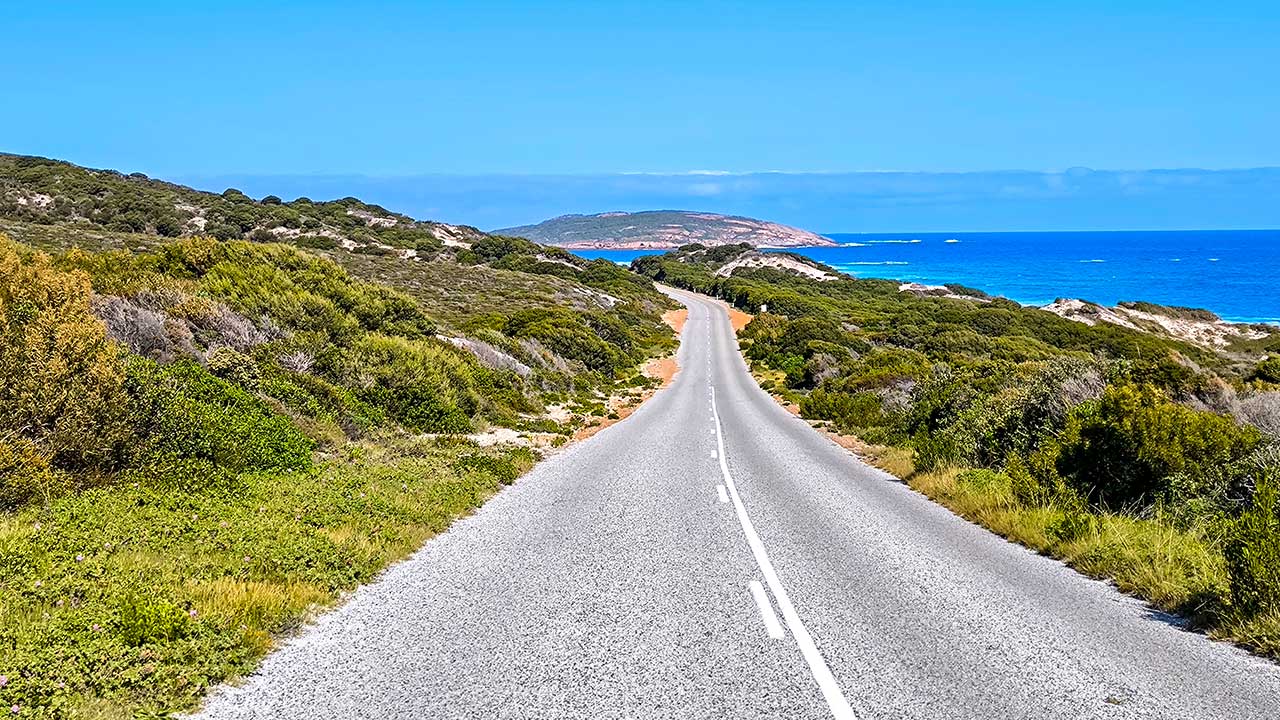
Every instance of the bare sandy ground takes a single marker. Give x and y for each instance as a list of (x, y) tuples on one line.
[(676, 319)]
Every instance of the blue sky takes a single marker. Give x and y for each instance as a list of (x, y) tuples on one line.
[(202, 90)]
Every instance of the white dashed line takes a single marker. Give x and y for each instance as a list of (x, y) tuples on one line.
[(724, 496), (771, 625)]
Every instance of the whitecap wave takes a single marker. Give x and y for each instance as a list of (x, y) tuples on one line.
[(886, 262), (951, 240), (913, 241), (1095, 260)]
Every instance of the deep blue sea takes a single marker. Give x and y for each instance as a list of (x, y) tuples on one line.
[(1231, 272)]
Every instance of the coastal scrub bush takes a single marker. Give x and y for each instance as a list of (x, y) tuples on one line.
[(566, 334), (235, 367), (1253, 553), (62, 395), (1268, 371), (1122, 450), (423, 384), (850, 412), (316, 398), (181, 411)]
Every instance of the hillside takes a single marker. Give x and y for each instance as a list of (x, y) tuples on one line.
[(40, 190), (663, 229), (205, 440)]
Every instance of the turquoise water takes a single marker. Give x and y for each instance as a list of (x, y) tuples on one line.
[(1230, 272)]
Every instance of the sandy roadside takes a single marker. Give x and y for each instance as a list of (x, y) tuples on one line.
[(662, 369)]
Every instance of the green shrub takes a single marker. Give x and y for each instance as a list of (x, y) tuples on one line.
[(235, 367), (25, 474), (849, 411), (569, 336), (1123, 450), (1268, 370), (1253, 553), (143, 618), (318, 242), (182, 411), (62, 397), (319, 399), (424, 385)]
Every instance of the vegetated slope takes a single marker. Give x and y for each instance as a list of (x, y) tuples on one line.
[(40, 190), (1136, 457), (663, 229), (201, 439)]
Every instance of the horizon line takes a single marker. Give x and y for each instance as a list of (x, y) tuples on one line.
[(1078, 169)]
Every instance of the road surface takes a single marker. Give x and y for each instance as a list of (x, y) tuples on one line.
[(713, 556)]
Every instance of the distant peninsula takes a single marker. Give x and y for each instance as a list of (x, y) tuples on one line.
[(663, 229)]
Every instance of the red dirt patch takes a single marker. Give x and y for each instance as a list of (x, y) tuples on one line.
[(663, 369), (738, 319), (676, 319)]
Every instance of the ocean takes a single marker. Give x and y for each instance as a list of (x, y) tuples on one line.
[(1231, 272)]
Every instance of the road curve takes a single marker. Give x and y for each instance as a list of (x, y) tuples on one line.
[(713, 556)]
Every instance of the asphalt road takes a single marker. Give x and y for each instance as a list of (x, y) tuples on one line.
[(713, 556)]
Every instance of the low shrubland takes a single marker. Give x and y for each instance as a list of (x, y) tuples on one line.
[(1134, 457), (202, 441)]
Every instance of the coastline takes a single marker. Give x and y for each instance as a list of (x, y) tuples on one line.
[(1225, 272)]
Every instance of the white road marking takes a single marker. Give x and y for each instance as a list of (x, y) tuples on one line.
[(836, 701), (771, 625), (713, 454), (724, 496)]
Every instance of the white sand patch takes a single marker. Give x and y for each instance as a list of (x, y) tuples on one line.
[(1213, 334), (374, 220), (780, 262), (937, 291)]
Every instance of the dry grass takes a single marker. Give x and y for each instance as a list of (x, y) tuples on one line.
[(1175, 570)]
